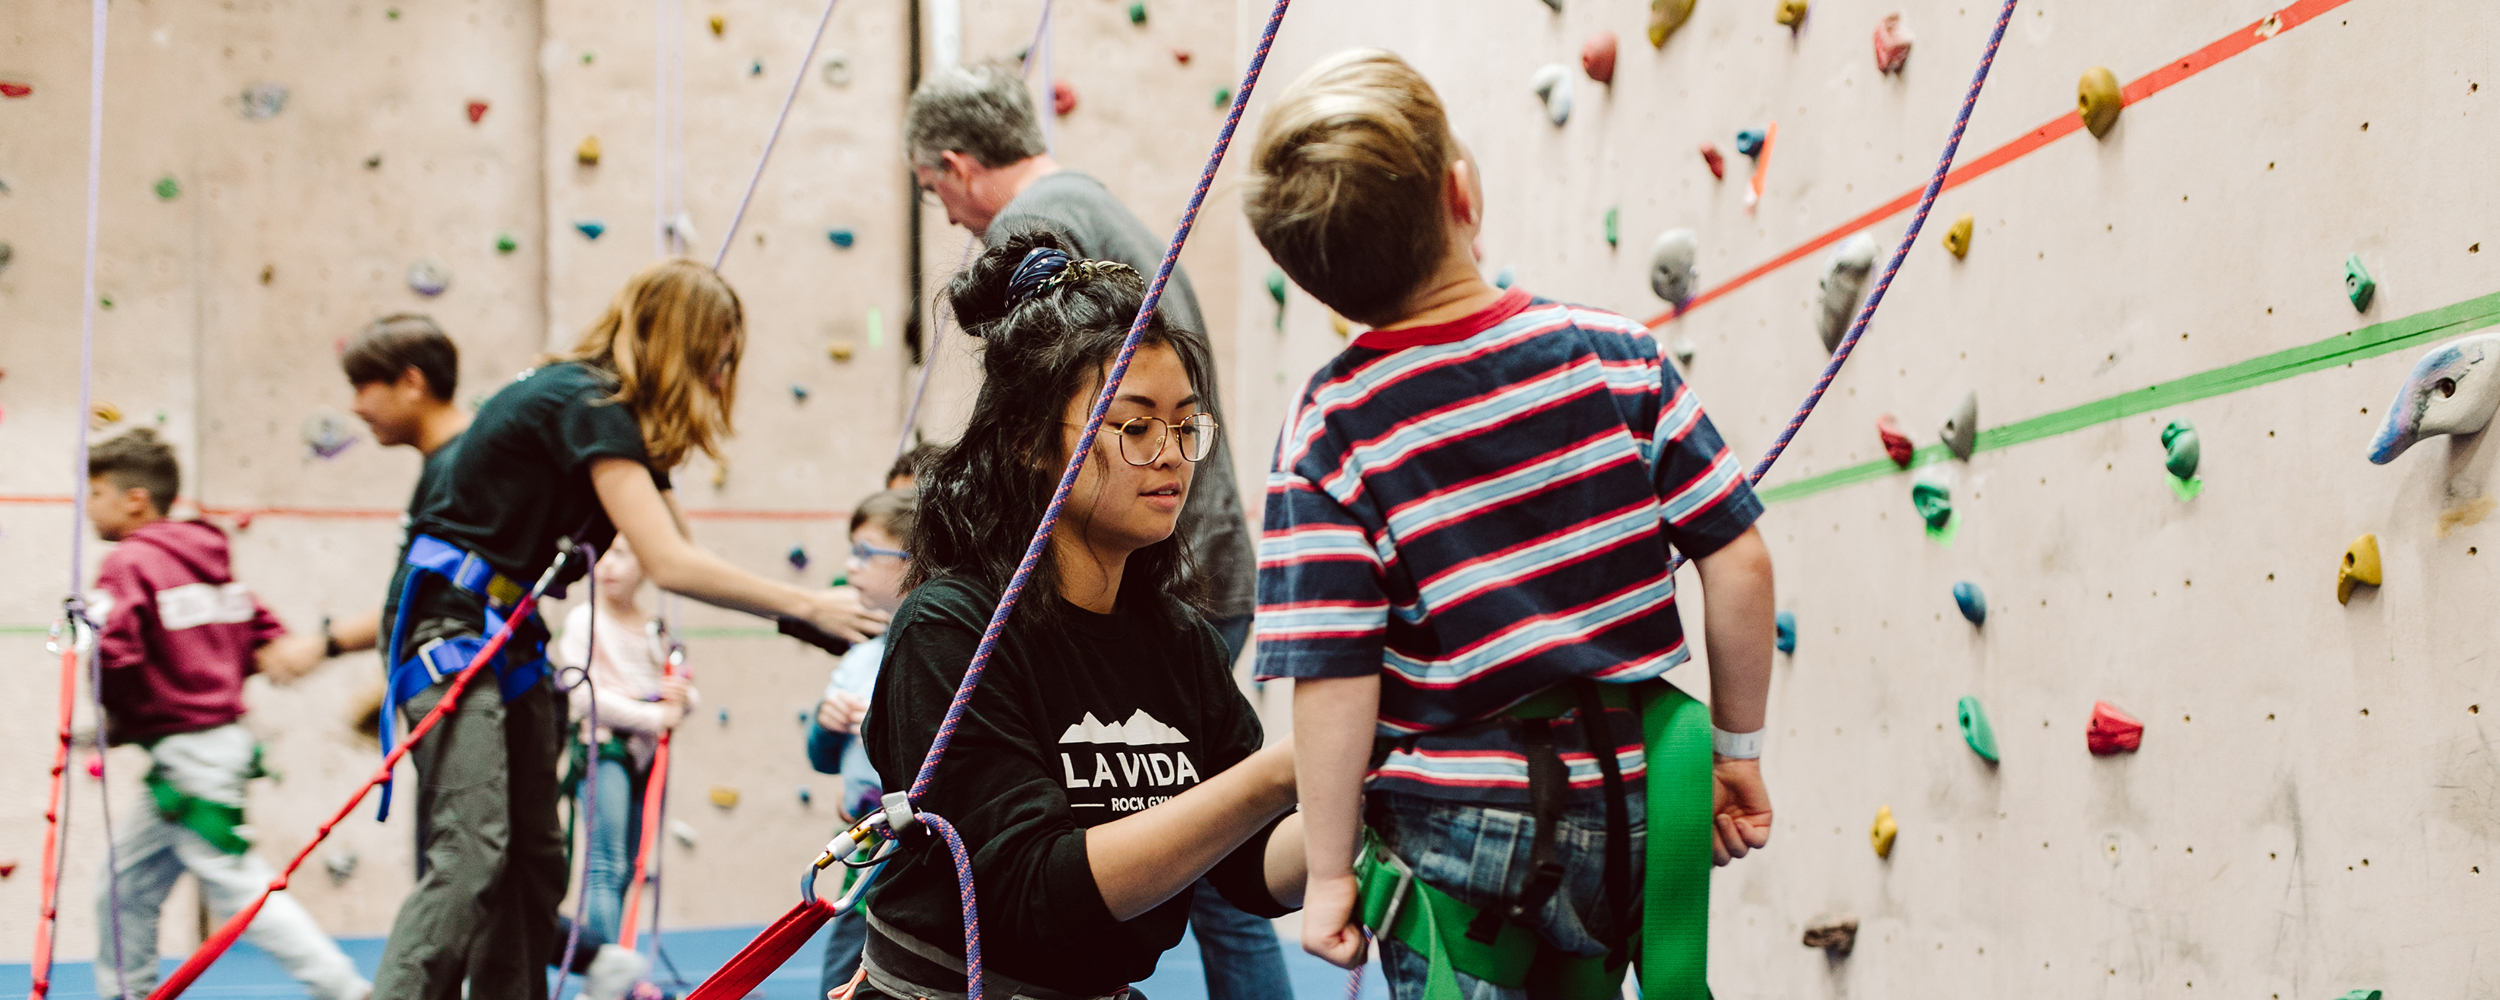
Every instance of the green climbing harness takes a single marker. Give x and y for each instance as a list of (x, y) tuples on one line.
[(215, 822), (1672, 944)]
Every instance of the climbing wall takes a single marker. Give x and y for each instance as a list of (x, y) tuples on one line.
[(2315, 807)]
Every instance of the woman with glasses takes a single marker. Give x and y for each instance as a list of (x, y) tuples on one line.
[(1107, 760)]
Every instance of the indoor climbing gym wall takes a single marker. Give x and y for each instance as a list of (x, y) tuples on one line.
[(2137, 715)]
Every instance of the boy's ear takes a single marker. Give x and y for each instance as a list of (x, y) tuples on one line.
[(1461, 193), (410, 378)]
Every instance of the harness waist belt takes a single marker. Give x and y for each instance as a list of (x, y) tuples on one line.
[(439, 660), (901, 965)]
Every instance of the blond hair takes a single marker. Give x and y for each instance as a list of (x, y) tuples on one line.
[(1346, 183), (672, 337)]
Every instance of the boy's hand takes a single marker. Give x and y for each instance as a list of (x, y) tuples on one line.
[(290, 656), (1328, 927), (840, 610), (1740, 807), (841, 712)]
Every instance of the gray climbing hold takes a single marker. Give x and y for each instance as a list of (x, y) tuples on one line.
[(1672, 267), (328, 434), (1682, 349), (838, 70), (340, 864), (1961, 430), (7, 253), (428, 277), (1552, 84), (262, 101), (1844, 279)]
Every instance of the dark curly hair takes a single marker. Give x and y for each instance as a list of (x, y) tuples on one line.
[(981, 497)]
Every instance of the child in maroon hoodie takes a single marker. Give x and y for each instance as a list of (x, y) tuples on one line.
[(178, 637)]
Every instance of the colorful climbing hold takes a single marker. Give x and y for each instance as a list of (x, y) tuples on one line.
[(1062, 98), (1792, 13), (840, 350), (341, 865), (1682, 348), (1137, 12), (373, 162), (1276, 291), (2098, 100), (719, 24), (1844, 279), (806, 797), (2453, 389), (724, 713), (1664, 17), (7, 253), (1957, 237), (428, 277), (1837, 935), (1974, 604), (2361, 995), (1597, 57), (590, 227), (1718, 164), (8, 868), (798, 393), (587, 154), (505, 242), (1223, 97), (589, 57), (1934, 501), (1181, 56), (2183, 450), (328, 434), (1975, 729), (2111, 731), (13, 90), (724, 796), (2358, 285), (1749, 141), (2360, 567), (262, 101), (1883, 832), (683, 831), (1338, 325), (477, 112), (755, 67), (167, 188), (1961, 430), (103, 414), (1552, 84), (1673, 267), (843, 238), (798, 554), (1784, 631), (1508, 276), (1614, 230), (1897, 445), (1892, 43)]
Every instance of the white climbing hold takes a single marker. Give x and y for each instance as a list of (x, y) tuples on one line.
[(1672, 272), (680, 228), (262, 101), (1844, 279), (1552, 84), (327, 434), (838, 70), (340, 864), (683, 831), (428, 277)]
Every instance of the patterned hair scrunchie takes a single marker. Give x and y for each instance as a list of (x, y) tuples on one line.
[(1041, 267)]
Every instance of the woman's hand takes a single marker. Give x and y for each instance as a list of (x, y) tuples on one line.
[(841, 611), (1329, 929), (841, 712), (1740, 809)]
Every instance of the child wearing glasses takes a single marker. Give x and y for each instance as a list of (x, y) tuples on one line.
[(879, 527)]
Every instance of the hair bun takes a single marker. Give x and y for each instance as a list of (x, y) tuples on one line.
[(1040, 267)]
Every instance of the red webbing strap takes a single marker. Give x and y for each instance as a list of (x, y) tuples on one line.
[(216, 945), (53, 815), (769, 951), (648, 833)]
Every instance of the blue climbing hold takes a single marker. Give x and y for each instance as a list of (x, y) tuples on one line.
[(1974, 604), (1508, 277), (842, 238), (798, 557), (798, 392), (806, 796), (591, 227), (1784, 631), (1749, 141)]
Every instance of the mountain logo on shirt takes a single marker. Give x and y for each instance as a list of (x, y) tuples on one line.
[(1140, 730)]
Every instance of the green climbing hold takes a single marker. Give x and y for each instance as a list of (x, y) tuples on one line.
[(1223, 97), (2179, 439), (1137, 12), (505, 243), (1276, 290), (1975, 731), (392, 13), (1614, 227), (2357, 284), (167, 188), (2361, 995), (1934, 501)]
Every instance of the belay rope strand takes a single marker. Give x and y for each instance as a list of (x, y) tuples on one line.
[(589, 736)]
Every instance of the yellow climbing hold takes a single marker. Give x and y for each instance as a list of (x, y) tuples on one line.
[(104, 414), (840, 350), (2098, 99), (588, 152), (1884, 832), (724, 796), (719, 24), (2361, 566), (1664, 17), (1339, 324), (1792, 12), (1957, 238)]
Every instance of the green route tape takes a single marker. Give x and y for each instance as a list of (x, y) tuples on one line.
[(2343, 348)]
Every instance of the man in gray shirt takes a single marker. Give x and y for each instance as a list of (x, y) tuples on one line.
[(974, 142)]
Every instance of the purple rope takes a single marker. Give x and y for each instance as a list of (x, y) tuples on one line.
[(590, 780), (104, 788), (797, 80), (1059, 501)]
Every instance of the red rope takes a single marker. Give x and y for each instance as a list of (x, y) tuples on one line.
[(53, 815), (649, 832), (769, 951)]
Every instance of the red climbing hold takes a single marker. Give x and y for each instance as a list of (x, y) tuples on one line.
[(243, 521), (1062, 98), (2112, 731), (8, 868), (1597, 57), (1892, 43), (12, 89), (1181, 56), (1896, 444), (1718, 164), (477, 111)]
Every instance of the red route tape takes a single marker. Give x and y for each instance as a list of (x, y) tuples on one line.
[(2057, 128)]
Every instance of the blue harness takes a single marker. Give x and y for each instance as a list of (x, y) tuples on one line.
[(442, 659)]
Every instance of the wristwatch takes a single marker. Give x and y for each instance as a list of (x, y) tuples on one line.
[(1736, 746), (329, 640)]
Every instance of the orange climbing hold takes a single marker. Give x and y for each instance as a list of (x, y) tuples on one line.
[(1597, 57), (2112, 731), (1062, 98)]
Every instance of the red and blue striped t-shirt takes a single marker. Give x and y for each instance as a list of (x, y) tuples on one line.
[(1482, 509)]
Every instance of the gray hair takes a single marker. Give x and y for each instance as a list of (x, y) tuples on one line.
[(980, 110)]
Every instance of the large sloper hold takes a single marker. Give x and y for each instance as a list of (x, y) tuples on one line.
[(1597, 57), (1664, 17), (1835, 933), (2111, 731), (1975, 729), (1673, 267), (2453, 389), (2098, 100), (1960, 431), (1843, 282), (2182, 450), (1934, 501), (2360, 568)]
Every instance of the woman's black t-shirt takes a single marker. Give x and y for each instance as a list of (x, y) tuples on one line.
[(521, 479), (1072, 727)]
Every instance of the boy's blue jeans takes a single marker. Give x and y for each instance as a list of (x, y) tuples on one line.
[(1479, 854)]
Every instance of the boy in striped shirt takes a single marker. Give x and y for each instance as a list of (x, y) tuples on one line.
[(1473, 504)]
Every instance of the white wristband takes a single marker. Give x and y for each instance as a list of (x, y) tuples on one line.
[(1736, 746)]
